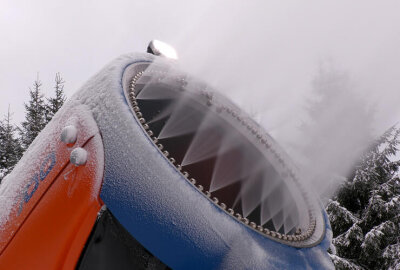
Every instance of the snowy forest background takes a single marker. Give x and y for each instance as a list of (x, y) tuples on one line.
[(39, 110), (361, 184)]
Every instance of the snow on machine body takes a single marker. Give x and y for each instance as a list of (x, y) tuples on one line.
[(147, 167)]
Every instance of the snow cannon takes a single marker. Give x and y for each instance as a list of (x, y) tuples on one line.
[(147, 167)]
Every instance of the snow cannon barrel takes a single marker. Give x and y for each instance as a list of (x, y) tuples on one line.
[(163, 172)]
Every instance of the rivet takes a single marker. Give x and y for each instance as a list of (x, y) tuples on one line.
[(78, 156), (69, 135)]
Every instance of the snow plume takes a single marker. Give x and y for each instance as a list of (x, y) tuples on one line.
[(267, 56), (336, 133)]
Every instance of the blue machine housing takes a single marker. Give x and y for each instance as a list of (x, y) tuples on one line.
[(161, 209)]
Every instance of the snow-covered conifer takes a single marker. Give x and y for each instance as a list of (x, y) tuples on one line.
[(391, 259), (55, 103), (341, 219), (365, 213), (35, 113), (343, 264), (10, 147)]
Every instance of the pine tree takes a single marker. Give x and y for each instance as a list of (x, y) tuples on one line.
[(365, 213), (54, 104), (10, 147), (35, 115)]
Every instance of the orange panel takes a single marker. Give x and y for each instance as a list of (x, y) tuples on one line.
[(54, 234), (49, 205), (41, 164)]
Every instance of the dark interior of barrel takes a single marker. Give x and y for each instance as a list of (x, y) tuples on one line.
[(234, 169)]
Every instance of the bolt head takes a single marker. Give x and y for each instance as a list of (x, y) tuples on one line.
[(69, 134), (78, 156)]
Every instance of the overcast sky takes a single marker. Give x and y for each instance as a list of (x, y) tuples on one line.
[(263, 54)]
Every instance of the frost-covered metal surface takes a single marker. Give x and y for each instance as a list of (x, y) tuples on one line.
[(22, 190), (161, 209), (237, 167)]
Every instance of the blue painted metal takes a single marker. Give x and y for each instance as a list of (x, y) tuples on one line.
[(161, 209)]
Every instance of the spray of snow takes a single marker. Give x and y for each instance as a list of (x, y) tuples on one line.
[(175, 210), (269, 57)]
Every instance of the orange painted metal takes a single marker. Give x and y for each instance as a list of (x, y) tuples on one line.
[(49, 228)]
